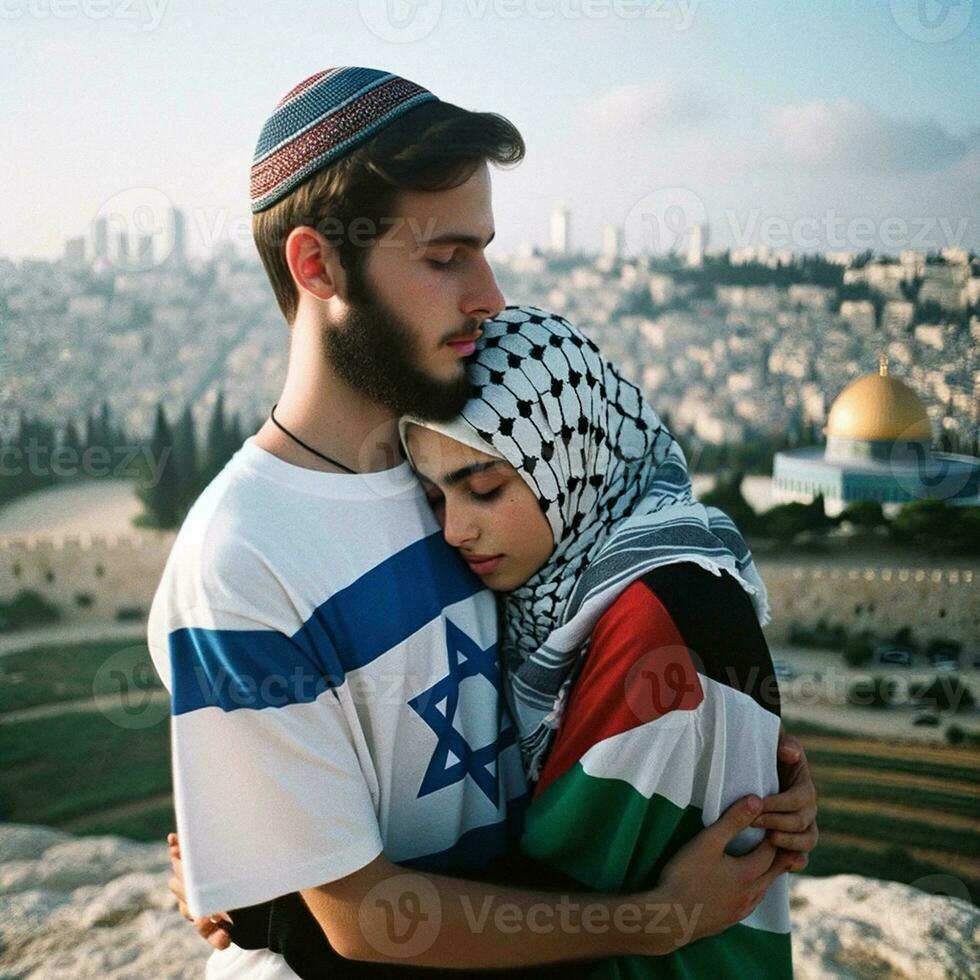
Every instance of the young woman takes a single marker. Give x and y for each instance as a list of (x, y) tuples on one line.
[(637, 672)]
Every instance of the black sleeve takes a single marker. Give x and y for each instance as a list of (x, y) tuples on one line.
[(720, 627)]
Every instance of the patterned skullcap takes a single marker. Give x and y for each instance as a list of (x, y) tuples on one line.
[(322, 119)]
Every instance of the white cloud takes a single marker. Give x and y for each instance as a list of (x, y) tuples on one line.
[(845, 135), (645, 110)]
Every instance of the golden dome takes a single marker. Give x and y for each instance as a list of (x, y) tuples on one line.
[(879, 407)]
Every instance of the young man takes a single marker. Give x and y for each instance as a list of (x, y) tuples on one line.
[(339, 729)]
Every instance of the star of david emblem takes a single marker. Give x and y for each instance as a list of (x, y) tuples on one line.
[(453, 758)]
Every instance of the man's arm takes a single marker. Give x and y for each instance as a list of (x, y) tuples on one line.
[(384, 913)]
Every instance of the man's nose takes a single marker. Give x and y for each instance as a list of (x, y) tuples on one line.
[(486, 300)]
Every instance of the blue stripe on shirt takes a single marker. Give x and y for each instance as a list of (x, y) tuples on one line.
[(265, 668)]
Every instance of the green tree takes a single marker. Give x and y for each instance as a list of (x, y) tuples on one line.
[(186, 458), (159, 485), (859, 650)]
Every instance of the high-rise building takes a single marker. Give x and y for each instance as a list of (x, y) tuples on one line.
[(75, 252), (145, 251), (561, 229), (100, 238), (696, 243), (122, 248), (179, 253), (612, 241)]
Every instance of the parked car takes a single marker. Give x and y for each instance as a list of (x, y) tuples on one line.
[(942, 651), (896, 656)]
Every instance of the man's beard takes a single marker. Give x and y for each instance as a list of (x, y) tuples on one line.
[(374, 351)]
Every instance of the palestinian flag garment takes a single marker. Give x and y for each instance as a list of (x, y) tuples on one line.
[(673, 716)]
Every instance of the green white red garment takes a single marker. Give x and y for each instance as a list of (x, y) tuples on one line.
[(673, 716)]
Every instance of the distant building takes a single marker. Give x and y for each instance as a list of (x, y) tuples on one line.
[(122, 248), (561, 220), (100, 239), (878, 448), (696, 244), (860, 314), (810, 297), (944, 285), (612, 241), (179, 253), (75, 252), (897, 315)]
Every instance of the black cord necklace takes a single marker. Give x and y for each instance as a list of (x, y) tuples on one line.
[(309, 449)]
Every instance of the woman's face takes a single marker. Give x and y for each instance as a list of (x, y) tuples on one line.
[(484, 507)]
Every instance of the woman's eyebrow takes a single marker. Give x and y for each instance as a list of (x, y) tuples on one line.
[(451, 479)]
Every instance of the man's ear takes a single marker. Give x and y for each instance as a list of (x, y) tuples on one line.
[(314, 264)]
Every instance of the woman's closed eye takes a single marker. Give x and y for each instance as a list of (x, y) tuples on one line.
[(486, 494)]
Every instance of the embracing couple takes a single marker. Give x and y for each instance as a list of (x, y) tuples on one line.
[(463, 677)]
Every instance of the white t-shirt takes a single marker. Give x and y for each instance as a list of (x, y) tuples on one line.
[(334, 681)]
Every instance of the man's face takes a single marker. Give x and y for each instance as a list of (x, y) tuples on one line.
[(416, 306)]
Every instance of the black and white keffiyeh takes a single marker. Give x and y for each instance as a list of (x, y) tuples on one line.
[(614, 486)]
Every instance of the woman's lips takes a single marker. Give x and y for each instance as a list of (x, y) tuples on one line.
[(483, 564)]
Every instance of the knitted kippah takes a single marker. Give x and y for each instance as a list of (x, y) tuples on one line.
[(323, 118)]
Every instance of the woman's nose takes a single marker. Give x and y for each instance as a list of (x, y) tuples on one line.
[(458, 529)]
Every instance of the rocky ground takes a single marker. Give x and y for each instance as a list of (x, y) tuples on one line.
[(98, 907)]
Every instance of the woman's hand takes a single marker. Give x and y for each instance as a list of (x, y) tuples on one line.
[(790, 816), (711, 890), (208, 927)]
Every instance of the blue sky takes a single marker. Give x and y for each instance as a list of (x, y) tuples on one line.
[(819, 111)]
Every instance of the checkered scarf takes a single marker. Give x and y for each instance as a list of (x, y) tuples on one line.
[(614, 486)]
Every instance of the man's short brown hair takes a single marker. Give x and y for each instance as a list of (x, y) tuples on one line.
[(436, 146)]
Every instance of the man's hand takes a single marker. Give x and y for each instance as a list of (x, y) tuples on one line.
[(208, 927), (714, 889), (790, 816)]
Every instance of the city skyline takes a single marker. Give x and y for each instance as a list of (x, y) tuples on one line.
[(843, 128)]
